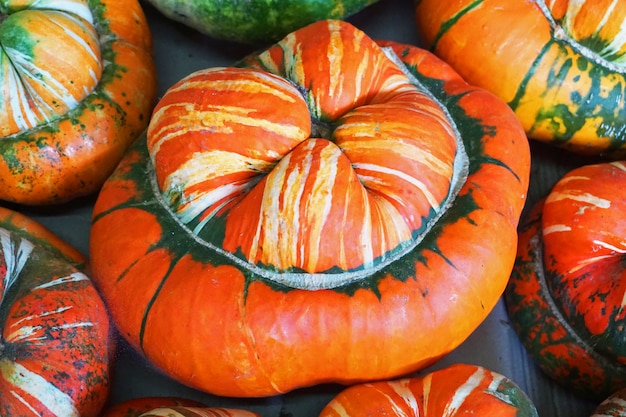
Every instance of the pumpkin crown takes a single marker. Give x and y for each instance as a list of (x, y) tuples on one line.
[(287, 164)]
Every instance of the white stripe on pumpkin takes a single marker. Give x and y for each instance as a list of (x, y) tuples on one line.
[(56, 401), (15, 255), (463, 392)]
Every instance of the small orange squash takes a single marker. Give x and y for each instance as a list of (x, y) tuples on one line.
[(77, 85), (55, 345), (458, 390), (560, 65), (171, 407), (294, 219), (566, 294)]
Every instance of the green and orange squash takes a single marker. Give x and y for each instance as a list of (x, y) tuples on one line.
[(56, 347), (457, 390), (560, 65), (327, 210), (566, 293), (77, 85)]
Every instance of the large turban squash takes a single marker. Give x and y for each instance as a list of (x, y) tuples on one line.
[(321, 212), (77, 85)]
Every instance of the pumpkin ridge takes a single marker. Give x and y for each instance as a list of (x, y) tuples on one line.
[(145, 316)]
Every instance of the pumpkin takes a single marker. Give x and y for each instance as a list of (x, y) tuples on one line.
[(255, 21), (566, 290), (77, 83), (558, 64), (614, 405), (171, 407), (457, 390), (321, 212), (55, 348), (198, 412)]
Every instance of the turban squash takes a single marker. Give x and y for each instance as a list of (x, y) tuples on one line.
[(322, 211), (170, 407), (566, 292), (55, 346), (77, 84), (559, 64), (458, 390)]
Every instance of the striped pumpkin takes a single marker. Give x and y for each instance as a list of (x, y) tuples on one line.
[(566, 293), (170, 407), (136, 406), (458, 390), (77, 84), (301, 213), (198, 412), (55, 349), (558, 64)]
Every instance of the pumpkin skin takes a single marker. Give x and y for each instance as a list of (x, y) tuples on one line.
[(566, 289), (559, 64), (613, 405), (255, 21), (198, 412), (137, 406), (252, 329), (79, 83), (458, 390), (56, 346)]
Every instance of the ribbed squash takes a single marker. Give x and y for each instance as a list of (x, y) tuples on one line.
[(566, 293), (171, 407), (55, 345), (77, 85), (559, 64), (458, 390), (321, 212), (136, 406)]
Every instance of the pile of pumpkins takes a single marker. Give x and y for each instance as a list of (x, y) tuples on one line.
[(305, 215)]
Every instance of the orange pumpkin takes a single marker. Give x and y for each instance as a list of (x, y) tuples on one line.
[(77, 84), (309, 215), (566, 292), (458, 390), (55, 346), (171, 407), (558, 64)]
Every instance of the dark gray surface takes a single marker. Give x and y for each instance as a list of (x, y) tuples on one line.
[(179, 51)]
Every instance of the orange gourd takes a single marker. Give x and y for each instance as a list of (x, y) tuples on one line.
[(326, 210), (55, 345), (77, 85), (558, 64), (567, 289), (458, 390), (171, 407)]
